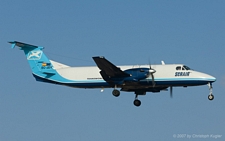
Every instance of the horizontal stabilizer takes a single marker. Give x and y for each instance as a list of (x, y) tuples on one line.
[(22, 45)]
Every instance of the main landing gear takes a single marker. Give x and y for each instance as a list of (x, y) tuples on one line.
[(116, 93), (210, 96), (136, 101)]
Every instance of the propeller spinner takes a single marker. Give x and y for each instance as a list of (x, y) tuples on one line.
[(151, 71)]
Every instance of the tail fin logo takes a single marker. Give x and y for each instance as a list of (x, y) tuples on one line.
[(34, 55)]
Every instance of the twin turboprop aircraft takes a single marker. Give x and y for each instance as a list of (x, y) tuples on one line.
[(141, 79)]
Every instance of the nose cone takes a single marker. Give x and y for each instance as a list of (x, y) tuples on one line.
[(213, 79), (209, 78)]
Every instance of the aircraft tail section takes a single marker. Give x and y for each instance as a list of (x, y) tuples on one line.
[(36, 58), (42, 68)]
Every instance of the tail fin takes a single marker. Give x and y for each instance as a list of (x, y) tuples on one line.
[(42, 68), (36, 58)]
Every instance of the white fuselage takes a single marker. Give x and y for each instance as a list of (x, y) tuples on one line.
[(164, 73)]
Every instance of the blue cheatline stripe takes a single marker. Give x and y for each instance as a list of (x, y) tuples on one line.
[(182, 79), (81, 84), (102, 83), (58, 78)]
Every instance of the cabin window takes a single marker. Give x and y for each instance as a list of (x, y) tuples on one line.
[(178, 68)]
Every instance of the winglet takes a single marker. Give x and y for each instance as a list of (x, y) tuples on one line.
[(163, 63)]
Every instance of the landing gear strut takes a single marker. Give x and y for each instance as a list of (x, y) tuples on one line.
[(136, 101), (210, 96)]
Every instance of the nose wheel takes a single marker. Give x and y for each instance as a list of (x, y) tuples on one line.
[(210, 96)]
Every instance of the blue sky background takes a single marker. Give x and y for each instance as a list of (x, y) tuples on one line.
[(125, 32)]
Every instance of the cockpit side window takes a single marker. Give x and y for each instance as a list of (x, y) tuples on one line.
[(178, 68), (186, 68)]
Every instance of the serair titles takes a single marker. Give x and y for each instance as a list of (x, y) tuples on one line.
[(182, 73)]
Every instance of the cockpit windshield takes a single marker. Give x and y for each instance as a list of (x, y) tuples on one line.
[(186, 68), (183, 68)]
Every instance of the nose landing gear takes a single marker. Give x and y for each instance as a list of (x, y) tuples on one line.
[(210, 96)]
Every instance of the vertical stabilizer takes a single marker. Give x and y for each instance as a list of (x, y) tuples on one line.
[(38, 61), (42, 68)]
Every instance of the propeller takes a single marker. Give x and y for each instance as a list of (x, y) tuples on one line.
[(151, 71), (171, 92)]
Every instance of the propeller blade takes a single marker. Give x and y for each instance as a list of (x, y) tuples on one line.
[(151, 71), (171, 92), (149, 63), (153, 80)]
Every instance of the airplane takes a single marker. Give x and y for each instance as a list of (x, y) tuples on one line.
[(138, 79)]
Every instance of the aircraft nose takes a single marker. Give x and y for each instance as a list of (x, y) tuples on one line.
[(210, 78), (213, 79)]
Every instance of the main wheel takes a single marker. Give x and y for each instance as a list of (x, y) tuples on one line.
[(116, 93), (211, 97), (137, 102)]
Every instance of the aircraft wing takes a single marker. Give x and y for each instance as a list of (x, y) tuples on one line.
[(109, 70)]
